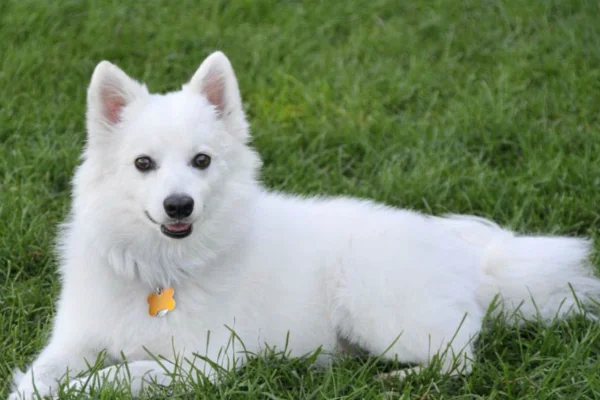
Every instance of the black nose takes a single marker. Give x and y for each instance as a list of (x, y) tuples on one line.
[(178, 206)]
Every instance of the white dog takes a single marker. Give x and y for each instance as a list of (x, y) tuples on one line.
[(172, 244)]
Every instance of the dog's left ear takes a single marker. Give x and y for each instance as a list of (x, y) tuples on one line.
[(216, 81)]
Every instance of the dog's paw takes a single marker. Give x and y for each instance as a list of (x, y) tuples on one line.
[(24, 389), (30, 393), (17, 378), (23, 394)]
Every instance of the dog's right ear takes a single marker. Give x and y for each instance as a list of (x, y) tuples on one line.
[(110, 91)]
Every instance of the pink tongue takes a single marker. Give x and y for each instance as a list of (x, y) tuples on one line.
[(178, 227)]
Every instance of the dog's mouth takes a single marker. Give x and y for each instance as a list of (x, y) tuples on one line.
[(178, 230)]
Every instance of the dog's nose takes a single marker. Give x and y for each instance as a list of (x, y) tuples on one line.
[(178, 206)]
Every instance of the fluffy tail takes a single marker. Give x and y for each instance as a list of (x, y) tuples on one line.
[(547, 277)]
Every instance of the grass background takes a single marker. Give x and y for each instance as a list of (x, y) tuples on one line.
[(488, 107)]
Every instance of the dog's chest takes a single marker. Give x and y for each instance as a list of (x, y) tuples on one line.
[(135, 332)]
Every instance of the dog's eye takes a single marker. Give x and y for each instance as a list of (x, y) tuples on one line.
[(201, 161), (144, 163)]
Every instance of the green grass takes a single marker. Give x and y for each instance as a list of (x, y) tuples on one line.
[(484, 107)]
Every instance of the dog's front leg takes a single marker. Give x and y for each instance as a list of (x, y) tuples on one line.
[(140, 375), (137, 375), (62, 357)]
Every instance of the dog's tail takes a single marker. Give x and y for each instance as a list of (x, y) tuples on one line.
[(538, 276)]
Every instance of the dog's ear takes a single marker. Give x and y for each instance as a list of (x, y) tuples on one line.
[(216, 81), (110, 91)]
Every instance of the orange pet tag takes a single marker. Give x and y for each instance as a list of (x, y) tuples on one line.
[(161, 302)]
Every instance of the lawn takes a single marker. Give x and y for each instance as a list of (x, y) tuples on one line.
[(484, 107)]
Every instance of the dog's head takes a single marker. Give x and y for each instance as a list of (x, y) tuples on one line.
[(162, 165)]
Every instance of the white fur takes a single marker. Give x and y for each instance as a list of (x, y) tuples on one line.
[(261, 263)]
